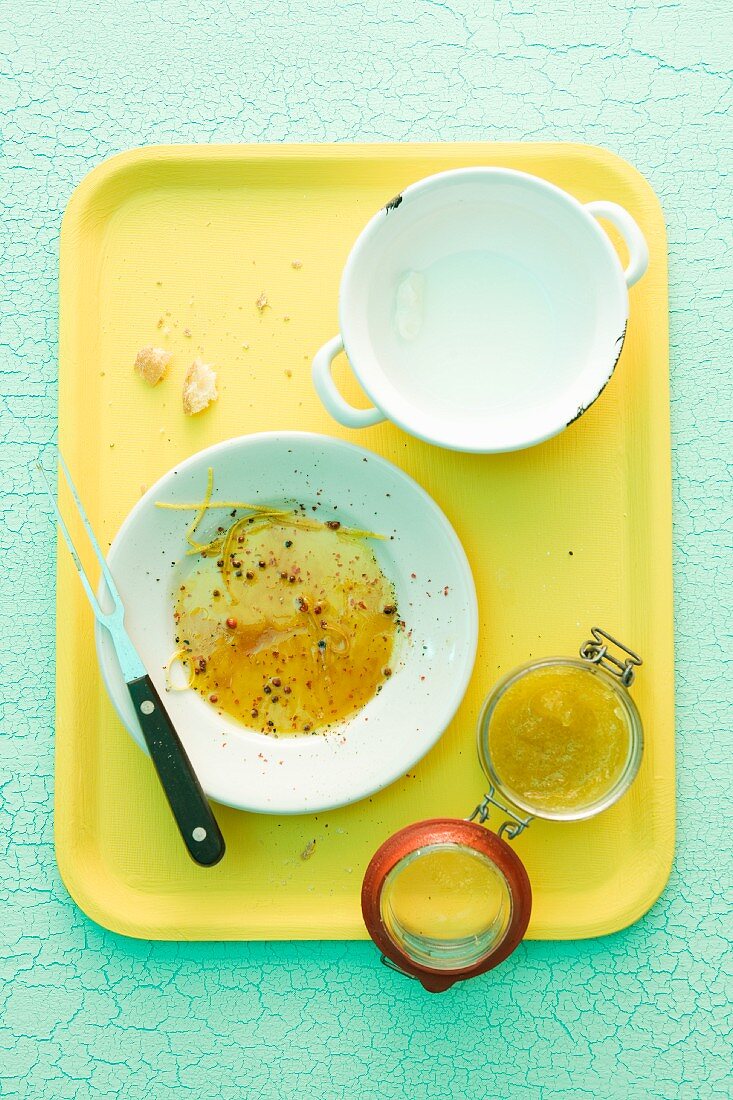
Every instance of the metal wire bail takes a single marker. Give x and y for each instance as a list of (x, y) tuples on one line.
[(509, 829), (398, 969), (597, 652)]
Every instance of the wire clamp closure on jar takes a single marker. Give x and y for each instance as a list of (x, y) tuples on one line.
[(596, 651), (509, 829)]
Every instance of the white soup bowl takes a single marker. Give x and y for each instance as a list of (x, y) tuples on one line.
[(483, 310)]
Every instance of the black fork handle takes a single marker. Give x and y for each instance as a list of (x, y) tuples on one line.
[(189, 805)]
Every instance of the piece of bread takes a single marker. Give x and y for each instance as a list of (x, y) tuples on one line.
[(152, 363), (199, 388)]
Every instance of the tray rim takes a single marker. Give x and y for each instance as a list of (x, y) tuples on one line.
[(139, 154), (272, 928)]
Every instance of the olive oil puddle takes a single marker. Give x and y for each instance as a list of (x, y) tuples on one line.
[(287, 626)]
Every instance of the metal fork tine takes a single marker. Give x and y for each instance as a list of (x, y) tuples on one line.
[(92, 537), (72, 549)]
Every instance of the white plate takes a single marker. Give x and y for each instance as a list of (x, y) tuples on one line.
[(249, 770)]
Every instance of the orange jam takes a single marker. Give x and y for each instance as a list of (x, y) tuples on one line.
[(559, 738)]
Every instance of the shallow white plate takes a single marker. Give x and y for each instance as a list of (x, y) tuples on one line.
[(246, 769)]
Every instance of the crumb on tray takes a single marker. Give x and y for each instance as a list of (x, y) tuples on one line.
[(199, 388), (308, 850), (152, 363), (262, 302), (297, 264)]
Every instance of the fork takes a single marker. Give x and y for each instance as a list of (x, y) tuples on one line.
[(193, 815)]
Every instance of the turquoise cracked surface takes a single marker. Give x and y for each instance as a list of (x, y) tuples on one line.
[(643, 1013)]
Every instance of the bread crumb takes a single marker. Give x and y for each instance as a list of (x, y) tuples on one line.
[(187, 332), (288, 374), (199, 388), (262, 302), (161, 322), (297, 264), (286, 317), (152, 363), (308, 850)]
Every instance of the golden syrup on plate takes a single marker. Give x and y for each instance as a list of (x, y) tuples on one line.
[(286, 626)]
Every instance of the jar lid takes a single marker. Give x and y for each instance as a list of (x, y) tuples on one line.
[(445, 900)]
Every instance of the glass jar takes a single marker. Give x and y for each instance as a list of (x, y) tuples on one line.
[(558, 739), (567, 797)]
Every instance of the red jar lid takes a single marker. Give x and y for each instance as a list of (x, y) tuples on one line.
[(445, 900)]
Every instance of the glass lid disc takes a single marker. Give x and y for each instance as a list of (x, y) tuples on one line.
[(446, 906)]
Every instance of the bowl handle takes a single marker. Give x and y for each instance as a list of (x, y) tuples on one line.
[(629, 230), (338, 407)]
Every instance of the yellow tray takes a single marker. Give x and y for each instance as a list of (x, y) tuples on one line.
[(569, 534)]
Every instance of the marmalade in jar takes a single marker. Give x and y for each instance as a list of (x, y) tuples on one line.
[(559, 738)]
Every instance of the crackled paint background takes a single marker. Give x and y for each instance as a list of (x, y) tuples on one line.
[(643, 1013)]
